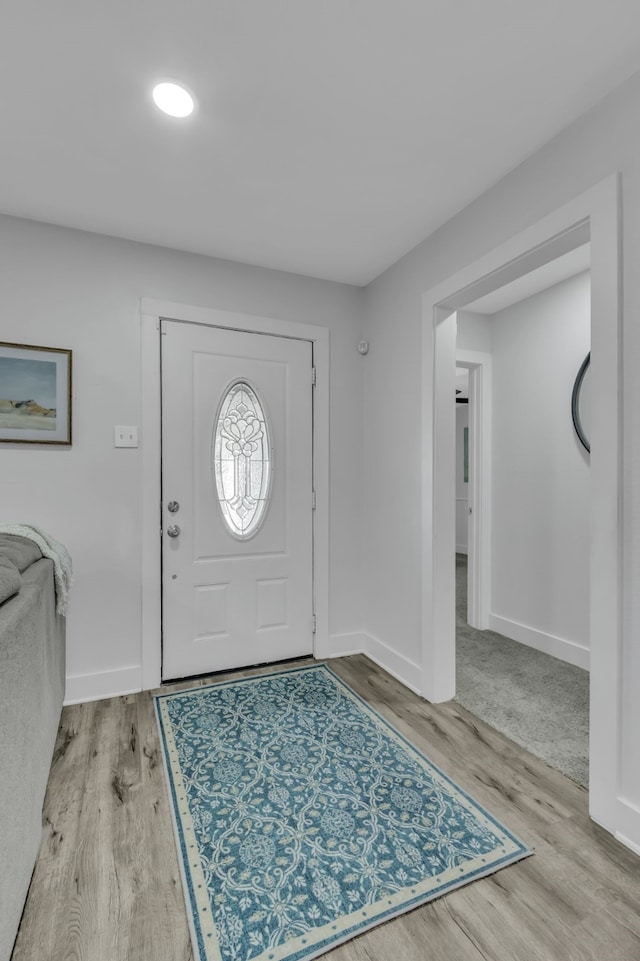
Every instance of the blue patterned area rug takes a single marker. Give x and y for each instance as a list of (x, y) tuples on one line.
[(302, 817)]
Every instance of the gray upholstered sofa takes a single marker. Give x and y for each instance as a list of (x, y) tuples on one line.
[(32, 672)]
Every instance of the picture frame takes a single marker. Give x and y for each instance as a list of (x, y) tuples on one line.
[(35, 394)]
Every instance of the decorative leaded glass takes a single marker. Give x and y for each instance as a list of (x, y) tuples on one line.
[(241, 460)]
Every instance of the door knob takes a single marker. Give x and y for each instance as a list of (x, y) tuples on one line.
[(173, 531)]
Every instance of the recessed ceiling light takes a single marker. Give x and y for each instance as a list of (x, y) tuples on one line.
[(173, 99)]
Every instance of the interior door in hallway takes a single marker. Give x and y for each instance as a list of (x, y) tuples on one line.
[(237, 499)]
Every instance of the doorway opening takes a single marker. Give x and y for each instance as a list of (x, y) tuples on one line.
[(594, 217), (522, 654)]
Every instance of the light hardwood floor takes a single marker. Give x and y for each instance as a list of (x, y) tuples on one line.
[(107, 885)]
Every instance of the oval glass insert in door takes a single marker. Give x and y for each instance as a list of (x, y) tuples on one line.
[(242, 454)]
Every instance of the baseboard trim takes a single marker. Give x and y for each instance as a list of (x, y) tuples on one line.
[(399, 666), (628, 843), (342, 645), (95, 687), (128, 680), (359, 642), (547, 643), (627, 824)]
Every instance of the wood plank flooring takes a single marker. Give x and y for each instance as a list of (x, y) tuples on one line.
[(107, 885)]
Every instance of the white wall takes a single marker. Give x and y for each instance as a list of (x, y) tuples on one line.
[(473, 331), (540, 534), (604, 141), (66, 288), (462, 487)]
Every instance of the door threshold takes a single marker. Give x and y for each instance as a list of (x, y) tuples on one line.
[(201, 679)]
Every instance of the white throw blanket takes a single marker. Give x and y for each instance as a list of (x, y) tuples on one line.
[(62, 566)]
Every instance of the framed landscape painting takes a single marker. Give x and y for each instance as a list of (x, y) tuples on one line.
[(35, 395)]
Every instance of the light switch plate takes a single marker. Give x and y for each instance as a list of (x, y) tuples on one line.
[(125, 436)]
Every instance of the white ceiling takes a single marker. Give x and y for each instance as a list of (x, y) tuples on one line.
[(331, 137)]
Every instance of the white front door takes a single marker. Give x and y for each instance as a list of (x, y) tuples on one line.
[(236, 499)]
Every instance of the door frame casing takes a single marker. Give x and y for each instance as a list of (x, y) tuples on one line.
[(152, 312), (479, 521), (595, 215)]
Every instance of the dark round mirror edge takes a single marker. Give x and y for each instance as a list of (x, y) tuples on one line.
[(575, 403)]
